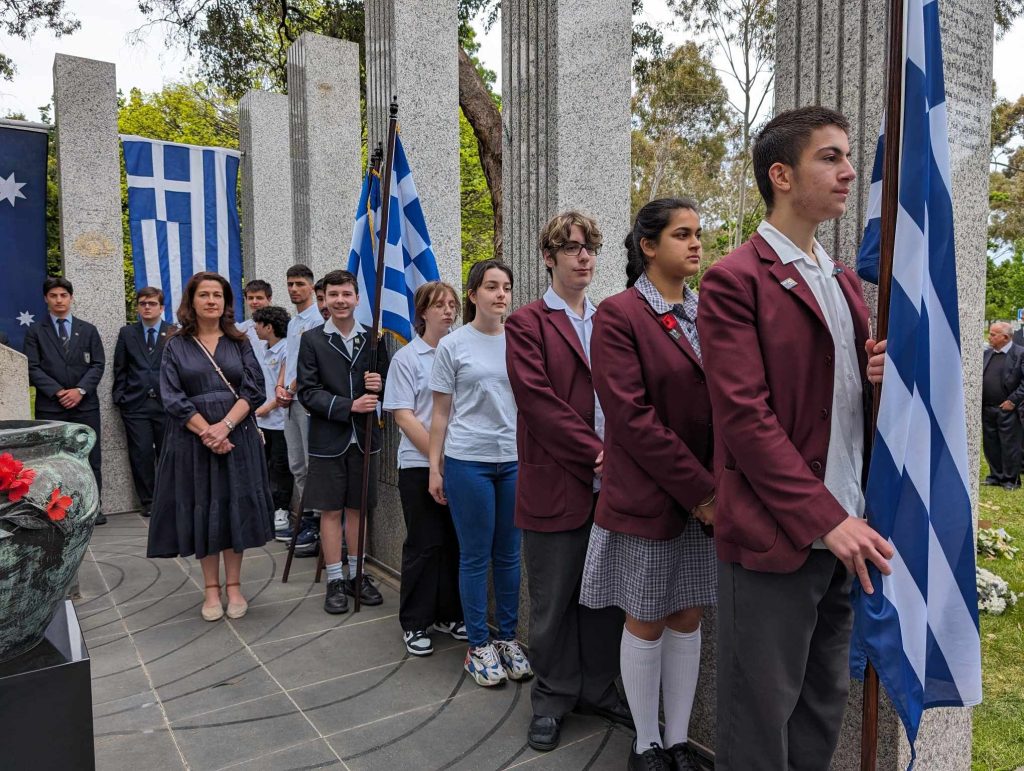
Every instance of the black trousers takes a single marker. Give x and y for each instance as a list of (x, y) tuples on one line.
[(276, 450), (92, 420), (430, 556), (783, 669), (574, 650), (1001, 436), (144, 431)]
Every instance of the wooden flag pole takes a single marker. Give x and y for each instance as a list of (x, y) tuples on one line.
[(890, 208), (382, 243)]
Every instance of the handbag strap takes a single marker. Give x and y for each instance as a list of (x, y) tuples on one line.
[(220, 372)]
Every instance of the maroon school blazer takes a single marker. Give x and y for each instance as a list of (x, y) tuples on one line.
[(769, 359), (557, 446), (657, 445)]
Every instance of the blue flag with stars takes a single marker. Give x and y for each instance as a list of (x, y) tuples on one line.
[(22, 227)]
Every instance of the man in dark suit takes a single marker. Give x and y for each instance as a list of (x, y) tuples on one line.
[(574, 650), (785, 333), (1002, 392), (65, 364), (136, 389)]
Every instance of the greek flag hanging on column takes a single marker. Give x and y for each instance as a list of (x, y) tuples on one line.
[(183, 215)]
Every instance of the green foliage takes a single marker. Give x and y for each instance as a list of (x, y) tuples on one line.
[(477, 215)]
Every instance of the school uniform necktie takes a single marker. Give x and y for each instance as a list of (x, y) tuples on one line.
[(63, 333), (151, 338)]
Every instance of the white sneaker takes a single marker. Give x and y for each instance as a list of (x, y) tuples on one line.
[(282, 526), (418, 643), (516, 665), (484, 666), (457, 629)]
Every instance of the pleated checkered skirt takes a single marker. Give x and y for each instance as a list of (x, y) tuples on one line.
[(650, 579)]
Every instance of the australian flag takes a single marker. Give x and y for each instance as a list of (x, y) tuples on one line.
[(23, 149), (182, 215), (409, 260), (921, 631)]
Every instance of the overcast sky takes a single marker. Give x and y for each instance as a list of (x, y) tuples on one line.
[(148, 64)]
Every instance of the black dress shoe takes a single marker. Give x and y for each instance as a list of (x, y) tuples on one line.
[(683, 758), (101, 519), (653, 759), (617, 712), (336, 601), (368, 594), (1011, 485), (991, 482), (544, 733)]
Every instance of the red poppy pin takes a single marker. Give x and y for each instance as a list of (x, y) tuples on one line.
[(671, 325)]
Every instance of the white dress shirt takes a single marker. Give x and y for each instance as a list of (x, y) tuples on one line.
[(584, 327), (271, 361), (299, 323), (845, 460)]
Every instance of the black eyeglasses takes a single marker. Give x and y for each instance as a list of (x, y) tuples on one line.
[(573, 248), (147, 303)]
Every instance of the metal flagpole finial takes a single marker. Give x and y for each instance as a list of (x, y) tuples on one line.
[(377, 156), (394, 106)]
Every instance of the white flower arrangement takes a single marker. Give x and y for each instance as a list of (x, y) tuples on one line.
[(994, 543), (994, 594)]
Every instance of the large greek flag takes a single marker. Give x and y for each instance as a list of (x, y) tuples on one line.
[(921, 631), (408, 258), (183, 215)]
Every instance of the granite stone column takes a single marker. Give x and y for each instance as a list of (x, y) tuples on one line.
[(832, 52), (267, 250), (326, 146), (14, 402), (425, 78), (91, 237), (566, 115)]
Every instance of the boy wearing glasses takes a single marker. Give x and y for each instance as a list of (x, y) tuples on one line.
[(574, 650), (136, 391)]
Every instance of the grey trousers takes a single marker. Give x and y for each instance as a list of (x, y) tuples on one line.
[(296, 436), (783, 665), (574, 650)]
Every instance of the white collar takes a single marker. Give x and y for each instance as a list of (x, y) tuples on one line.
[(277, 346), (421, 346), (311, 310), (557, 303), (789, 252), (1006, 348), (330, 329)]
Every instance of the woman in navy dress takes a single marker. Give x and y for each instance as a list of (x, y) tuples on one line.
[(212, 492)]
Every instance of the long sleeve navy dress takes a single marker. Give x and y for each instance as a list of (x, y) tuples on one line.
[(205, 503)]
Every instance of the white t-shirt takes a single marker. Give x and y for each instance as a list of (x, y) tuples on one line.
[(272, 360), (470, 366), (301, 322), (248, 326), (408, 388)]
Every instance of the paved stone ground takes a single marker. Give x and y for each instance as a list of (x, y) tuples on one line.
[(288, 686)]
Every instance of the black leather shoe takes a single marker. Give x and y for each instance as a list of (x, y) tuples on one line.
[(101, 519), (368, 595), (991, 482), (617, 712), (683, 758), (1011, 485), (336, 601), (653, 759), (544, 733)]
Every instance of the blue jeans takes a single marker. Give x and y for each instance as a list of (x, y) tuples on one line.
[(482, 499)]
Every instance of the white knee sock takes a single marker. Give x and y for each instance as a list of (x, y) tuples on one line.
[(640, 661), (680, 665)]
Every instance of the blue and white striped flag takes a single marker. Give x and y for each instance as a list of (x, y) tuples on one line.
[(921, 631), (408, 258), (183, 216)]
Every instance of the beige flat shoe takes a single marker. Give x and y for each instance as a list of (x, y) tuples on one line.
[(237, 609), (212, 613)]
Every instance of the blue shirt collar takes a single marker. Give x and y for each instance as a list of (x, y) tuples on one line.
[(54, 320)]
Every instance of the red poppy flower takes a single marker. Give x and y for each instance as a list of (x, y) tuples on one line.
[(669, 321), (15, 479), (57, 507)]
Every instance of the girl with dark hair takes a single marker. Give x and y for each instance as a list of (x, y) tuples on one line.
[(212, 493), (430, 554), (473, 466), (649, 553)]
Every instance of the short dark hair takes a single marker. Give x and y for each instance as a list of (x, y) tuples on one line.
[(318, 286), (784, 138), (274, 315), (340, 278), (188, 324), (57, 282), (150, 291), (299, 271), (258, 285), (476, 279)]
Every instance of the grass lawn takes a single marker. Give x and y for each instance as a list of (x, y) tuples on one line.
[(999, 721)]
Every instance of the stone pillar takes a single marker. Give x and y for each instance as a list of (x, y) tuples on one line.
[(14, 402), (91, 238), (326, 148), (566, 115), (267, 250), (425, 78), (832, 52)]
